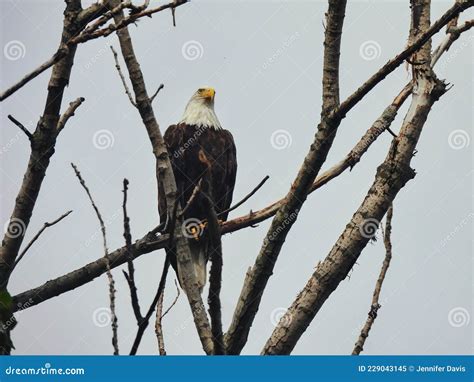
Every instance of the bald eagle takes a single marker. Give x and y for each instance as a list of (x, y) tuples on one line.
[(198, 145)]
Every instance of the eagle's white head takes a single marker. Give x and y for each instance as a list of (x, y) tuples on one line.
[(200, 110)]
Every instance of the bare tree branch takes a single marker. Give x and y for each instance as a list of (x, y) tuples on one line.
[(178, 293), (452, 34), (106, 256), (42, 149), (122, 78), (375, 306), (247, 197), (414, 45), (93, 31), (159, 326), (332, 52), (144, 322), (21, 127), (130, 276), (69, 113), (159, 318), (391, 177), (150, 243), (38, 234), (157, 91), (257, 277)]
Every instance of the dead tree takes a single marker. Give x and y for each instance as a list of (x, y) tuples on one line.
[(106, 18)]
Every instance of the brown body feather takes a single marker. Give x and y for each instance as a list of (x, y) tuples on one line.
[(193, 150)]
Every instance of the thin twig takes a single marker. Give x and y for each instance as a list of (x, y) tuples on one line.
[(178, 293), (21, 126), (391, 65), (122, 78), (157, 91), (106, 256), (247, 197), (130, 276), (173, 10), (144, 323), (69, 113), (159, 318), (45, 225), (375, 306)]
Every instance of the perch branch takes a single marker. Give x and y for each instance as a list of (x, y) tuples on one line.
[(165, 179)]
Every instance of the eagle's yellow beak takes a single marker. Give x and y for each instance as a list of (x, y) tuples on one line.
[(208, 93)]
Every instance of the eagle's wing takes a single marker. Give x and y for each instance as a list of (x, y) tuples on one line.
[(229, 160)]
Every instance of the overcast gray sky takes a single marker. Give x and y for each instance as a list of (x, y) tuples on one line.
[(264, 58)]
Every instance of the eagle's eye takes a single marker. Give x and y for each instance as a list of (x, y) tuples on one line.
[(201, 90)]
